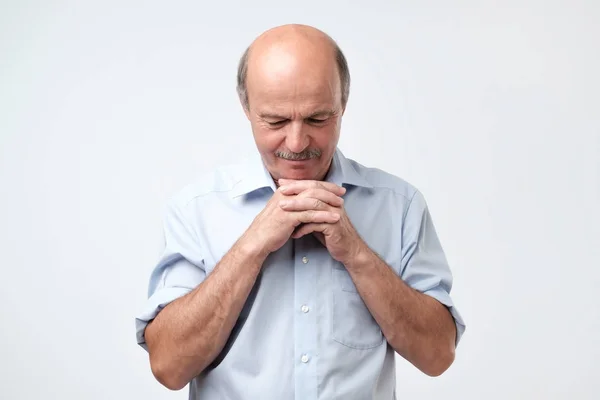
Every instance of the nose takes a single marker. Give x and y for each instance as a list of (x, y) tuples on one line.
[(296, 139)]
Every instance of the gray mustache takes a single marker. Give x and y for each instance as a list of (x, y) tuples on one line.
[(305, 155)]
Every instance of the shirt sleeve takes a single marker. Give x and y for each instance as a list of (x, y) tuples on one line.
[(179, 270), (424, 264)]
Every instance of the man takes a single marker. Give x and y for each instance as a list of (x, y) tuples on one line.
[(300, 273)]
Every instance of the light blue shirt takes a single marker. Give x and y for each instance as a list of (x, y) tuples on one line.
[(307, 334)]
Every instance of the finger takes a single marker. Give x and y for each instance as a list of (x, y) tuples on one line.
[(303, 204), (295, 187), (323, 195), (308, 229), (318, 200), (316, 217), (320, 237)]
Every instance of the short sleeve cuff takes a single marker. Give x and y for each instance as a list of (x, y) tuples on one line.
[(155, 303)]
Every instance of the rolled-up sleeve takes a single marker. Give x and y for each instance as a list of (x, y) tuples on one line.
[(424, 264), (179, 270)]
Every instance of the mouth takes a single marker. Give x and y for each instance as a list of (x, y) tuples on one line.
[(298, 162)]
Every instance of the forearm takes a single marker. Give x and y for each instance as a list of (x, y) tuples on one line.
[(417, 326), (188, 334)]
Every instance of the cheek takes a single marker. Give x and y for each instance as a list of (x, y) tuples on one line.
[(326, 137), (266, 139)]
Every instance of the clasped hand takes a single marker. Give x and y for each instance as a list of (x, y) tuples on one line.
[(305, 207)]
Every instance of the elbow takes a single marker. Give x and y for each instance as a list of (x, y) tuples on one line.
[(167, 376), (433, 358), (438, 362), (166, 368)]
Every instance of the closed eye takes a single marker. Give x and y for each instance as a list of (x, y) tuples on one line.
[(276, 124), (316, 120)]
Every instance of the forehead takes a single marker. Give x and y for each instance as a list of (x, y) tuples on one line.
[(295, 97), (276, 104), (279, 80)]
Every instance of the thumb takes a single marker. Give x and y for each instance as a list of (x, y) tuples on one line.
[(320, 237)]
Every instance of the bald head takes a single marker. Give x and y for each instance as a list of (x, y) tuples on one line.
[(292, 52)]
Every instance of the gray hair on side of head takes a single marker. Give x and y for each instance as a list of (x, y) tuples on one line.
[(340, 60)]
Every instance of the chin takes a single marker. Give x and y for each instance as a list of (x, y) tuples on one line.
[(302, 175), (299, 170), (297, 175)]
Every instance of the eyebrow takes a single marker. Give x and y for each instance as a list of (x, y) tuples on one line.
[(268, 115), (318, 113), (322, 113)]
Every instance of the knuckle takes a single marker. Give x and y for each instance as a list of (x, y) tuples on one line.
[(323, 194), (311, 192)]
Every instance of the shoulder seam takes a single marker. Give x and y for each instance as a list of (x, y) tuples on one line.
[(409, 206), (393, 190)]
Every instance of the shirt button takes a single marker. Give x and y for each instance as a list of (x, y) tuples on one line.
[(304, 309), (305, 260), (304, 358)]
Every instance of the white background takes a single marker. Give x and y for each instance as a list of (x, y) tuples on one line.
[(492, 109)]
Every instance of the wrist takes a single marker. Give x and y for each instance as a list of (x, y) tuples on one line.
[(359, 257), (250, 250)]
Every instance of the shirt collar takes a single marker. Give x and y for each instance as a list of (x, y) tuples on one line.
[(343, 173), (257, 177)]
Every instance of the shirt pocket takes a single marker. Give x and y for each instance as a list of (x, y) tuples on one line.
[(352, 322)]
